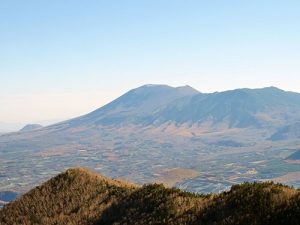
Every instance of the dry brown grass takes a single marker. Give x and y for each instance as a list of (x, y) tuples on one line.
[(79, 196)]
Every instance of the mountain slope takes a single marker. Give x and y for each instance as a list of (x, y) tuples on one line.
[(137, 105), (78, 196)]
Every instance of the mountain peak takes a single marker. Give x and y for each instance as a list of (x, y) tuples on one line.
[(151, 88), (187, 89), (162, 90), (154, 85), (139, 105), (272, 88), (84, 173)]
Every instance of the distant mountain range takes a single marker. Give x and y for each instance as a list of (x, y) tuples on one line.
[(79, 196), (161, 104), (158, 104), (162, 107), (154, 129)]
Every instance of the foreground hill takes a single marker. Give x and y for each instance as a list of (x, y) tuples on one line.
[(78, 196)]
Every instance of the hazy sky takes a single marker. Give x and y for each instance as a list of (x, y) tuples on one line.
[(60, 59)]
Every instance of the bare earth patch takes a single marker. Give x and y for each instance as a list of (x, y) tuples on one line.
[(170, 177)]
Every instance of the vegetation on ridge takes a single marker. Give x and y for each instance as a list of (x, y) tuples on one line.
[(78, 196)]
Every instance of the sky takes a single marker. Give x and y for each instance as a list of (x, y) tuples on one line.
[(63, 58)]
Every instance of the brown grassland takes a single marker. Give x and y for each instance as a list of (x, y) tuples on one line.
[(81, 197)]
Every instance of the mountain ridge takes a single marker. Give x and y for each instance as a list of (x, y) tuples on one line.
[(186, 97), (156, 104)]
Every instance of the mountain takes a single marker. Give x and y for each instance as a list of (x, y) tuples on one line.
[(81, 197), (238, 108), (137, 105), (31, 127), (158, 132), (158, 104)]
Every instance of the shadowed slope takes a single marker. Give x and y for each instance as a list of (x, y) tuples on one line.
[(258, 203), (155, 204)]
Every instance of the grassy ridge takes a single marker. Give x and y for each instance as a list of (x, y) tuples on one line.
[(78, 196)]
